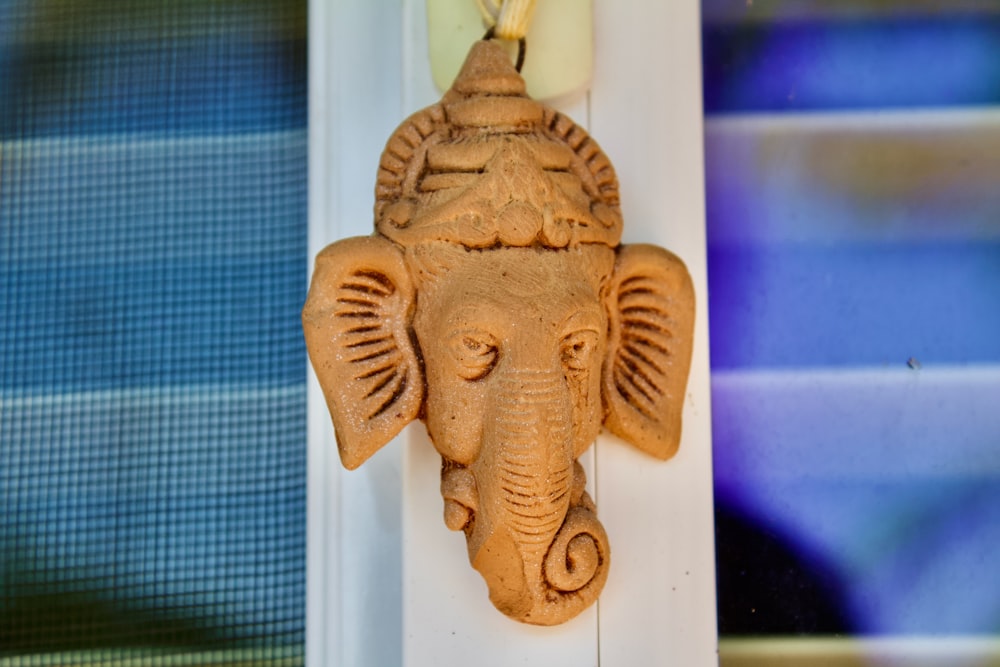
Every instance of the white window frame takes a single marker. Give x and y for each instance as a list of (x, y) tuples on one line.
[(378, 554)]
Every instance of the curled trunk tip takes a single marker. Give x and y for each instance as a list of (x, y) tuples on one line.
[(559, 583)]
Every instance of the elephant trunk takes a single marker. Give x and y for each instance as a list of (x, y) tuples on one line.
[(540, 548)]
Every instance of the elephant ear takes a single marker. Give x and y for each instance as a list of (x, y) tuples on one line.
[(357, 328), (651, 320)]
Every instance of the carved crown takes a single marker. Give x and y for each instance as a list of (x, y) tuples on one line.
[(488, 166)]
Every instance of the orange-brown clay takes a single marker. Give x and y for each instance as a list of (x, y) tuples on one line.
[(495, 303)]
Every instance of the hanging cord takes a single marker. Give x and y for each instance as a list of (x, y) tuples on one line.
[(508, 19), (522, 46)]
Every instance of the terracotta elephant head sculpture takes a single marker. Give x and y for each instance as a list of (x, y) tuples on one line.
[(495, 303)]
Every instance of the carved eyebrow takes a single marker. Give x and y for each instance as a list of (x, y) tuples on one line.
[(586, 319), (458, 320)]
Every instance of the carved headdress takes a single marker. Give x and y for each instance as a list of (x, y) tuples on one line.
[(488, 166)]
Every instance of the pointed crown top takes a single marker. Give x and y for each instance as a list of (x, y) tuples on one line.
[(488, 166)]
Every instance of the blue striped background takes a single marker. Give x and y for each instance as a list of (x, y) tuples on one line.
[(153, 237), (152, 265), (854, 280)]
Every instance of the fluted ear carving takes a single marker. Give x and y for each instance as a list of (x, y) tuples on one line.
[(651, 320), (357, 328)]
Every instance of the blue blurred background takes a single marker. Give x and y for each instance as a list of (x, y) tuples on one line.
[(153, 241), (152, 371), (853, 194)]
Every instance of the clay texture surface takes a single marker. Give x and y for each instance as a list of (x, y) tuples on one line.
[(495, 303)]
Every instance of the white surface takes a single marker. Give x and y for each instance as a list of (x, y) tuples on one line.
[(447, 616), (658, 607), (323, 479), (560, 39), (353, 554)]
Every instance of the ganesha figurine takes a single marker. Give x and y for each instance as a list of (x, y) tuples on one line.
[(495, 303)]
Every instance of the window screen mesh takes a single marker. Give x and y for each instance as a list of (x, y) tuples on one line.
[(152, 371)]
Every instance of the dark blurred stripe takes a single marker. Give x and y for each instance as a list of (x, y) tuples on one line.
[(885, 62)]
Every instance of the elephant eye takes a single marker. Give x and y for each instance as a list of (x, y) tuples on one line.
[(475, 352), (578, 350)]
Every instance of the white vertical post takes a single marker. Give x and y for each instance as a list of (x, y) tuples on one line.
[(658, 607), (323, 477), (353, 559), (448, 618)]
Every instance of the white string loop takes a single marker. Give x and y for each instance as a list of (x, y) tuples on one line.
[(508, 18)]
